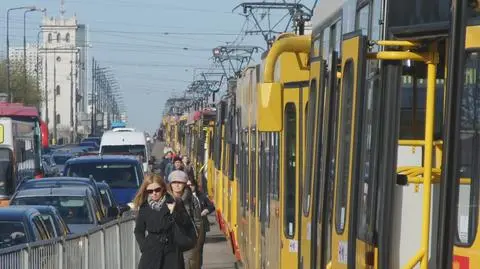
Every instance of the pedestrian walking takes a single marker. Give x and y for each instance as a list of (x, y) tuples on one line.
[(178, 182), (162, 216), (207, 208)]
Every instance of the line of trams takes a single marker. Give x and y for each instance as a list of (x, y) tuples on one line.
[(354, 146)]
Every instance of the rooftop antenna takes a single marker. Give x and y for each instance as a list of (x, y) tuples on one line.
[(62, 7)]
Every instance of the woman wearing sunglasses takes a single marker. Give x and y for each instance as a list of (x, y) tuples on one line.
[(158, 212)]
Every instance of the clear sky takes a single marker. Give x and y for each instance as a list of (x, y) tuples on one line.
[(129, 37)]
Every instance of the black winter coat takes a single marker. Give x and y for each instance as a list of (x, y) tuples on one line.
[(158, 248)]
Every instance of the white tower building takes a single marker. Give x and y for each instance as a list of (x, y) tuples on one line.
[(65, 76)]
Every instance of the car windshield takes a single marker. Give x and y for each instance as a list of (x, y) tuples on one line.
[(60, 159), (116, 175), (12, 233), (73, 209), (137, 150)]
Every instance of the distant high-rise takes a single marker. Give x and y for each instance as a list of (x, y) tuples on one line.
[(16, 55)]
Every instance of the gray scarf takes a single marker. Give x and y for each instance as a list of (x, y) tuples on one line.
[(156, 205)]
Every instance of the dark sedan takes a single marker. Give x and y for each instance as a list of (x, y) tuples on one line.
[(19, 225)]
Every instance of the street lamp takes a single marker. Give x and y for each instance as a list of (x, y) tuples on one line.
[(25, 40), (10, 97)]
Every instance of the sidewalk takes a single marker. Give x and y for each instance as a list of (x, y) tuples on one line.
[(217, 253)]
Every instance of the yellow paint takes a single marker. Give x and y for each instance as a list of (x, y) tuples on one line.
[(269, 107), (2, 133)]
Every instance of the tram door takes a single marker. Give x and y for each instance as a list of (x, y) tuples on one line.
[(467, 241), (295, 94), (346, 186)]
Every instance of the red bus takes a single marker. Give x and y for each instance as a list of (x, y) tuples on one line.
[(20, 147), (44, 131)]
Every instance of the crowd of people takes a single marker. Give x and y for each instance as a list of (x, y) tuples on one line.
[(173, 211)]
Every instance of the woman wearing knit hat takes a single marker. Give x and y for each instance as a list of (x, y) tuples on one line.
[(178, 182), (158, 213)]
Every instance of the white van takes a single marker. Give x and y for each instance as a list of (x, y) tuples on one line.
[(128, 143)]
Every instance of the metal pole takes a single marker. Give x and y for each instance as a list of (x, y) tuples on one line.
[(46, 85), (54, 97), (37, 66), (9, 89), (71, 98), (75, 130), (92, 102)]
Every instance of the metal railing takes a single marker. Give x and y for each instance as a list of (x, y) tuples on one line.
[(109, 246)]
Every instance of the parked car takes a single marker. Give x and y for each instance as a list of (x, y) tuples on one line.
[(124, 174), (19, 225), (75, 204), (109, 199), (66, 181), (52, 218), (60, 158)]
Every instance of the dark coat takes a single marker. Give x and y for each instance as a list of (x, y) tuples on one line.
[(205, 203), (158, 248)]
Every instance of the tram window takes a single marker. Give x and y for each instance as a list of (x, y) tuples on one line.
[(469, 171), (332, 121), (326, 43), (368, 159), (307, 188), (344, 135), (362, 19), (268, 176), (253, 170), (413, 103), (290, 169), (274, 166)]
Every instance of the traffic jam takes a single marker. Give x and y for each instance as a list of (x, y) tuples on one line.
[(49, 191)]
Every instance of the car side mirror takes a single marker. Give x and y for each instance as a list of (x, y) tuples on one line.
[(123, 208), (112, 212)]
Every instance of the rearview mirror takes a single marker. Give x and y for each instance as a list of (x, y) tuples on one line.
[(123, 208)]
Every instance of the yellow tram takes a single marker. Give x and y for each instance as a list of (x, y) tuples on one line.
[(330, 153)]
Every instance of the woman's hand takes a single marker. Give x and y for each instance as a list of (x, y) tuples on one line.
[(171, 207), (204, 212)]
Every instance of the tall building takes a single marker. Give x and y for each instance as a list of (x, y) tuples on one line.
[(64, 48), (32, 51)]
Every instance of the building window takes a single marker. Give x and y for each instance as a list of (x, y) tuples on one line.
[(58, 38), (67, 37), (57, 118), (50, 38), (57, 90)]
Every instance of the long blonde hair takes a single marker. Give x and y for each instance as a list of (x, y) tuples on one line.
[(141, 196)]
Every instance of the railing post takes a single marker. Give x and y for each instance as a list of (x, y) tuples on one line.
[(117, 247), (134, 244), (86, 249), (61, 252), (102, 248), (26, 257)]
